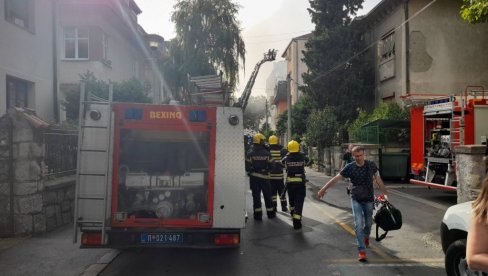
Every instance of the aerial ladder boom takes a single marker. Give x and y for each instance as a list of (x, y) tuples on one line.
[(242, 102)]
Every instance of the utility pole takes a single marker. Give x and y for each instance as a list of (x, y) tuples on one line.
[(266, 124), (288, 101)]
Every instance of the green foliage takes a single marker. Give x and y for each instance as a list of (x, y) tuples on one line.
[(387, 111), (475, 11), (299, 114), (322, 128), (208, 39), (281, 124), (266, 130), (131, 90), (339, 75)]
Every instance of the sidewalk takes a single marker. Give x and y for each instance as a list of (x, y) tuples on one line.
[(52, 253), (317, 179)]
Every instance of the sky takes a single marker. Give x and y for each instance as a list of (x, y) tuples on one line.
[(266, 24)]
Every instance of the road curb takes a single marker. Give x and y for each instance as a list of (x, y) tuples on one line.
[(106, 259)]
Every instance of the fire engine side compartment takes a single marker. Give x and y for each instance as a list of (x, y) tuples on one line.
[(417, 139), (230, 178)]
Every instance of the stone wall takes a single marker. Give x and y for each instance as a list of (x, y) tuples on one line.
[(58, 200), (470, 171), (40, 204)]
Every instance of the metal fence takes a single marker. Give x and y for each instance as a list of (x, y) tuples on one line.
[(60, 150)]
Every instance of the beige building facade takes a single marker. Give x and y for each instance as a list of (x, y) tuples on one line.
[(26, 56), (293, 55), (420, 47), (50, 43)]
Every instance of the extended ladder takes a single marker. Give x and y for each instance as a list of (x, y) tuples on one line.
[(93, 175)]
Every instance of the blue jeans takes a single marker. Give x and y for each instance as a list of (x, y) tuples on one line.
[(363, 219)]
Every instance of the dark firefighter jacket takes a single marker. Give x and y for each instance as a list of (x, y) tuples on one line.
[(258, 161), (276, 168), (295, 166)]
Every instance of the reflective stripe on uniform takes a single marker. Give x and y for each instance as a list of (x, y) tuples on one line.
[(263, 176), (258, 209), (275, 154), (296, 216), (294, 179), (270, 209), (276, 175)]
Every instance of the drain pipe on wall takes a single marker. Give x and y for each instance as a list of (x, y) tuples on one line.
[(406, 62), (55, 61)]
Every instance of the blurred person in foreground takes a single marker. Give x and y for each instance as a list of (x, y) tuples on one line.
[(477, 245)]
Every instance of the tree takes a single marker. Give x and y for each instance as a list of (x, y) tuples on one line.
[(208, 38), (475, 11), (299, 114), (131, 90), (265, 129), (322, 128), (339, 76)]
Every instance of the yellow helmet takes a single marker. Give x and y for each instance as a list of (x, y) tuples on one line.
[(257, 138), (273, 140), (293, 146), (263, 138)]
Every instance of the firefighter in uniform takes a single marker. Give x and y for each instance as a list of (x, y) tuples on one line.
[(257, 165), (276, 173), (294, 163)]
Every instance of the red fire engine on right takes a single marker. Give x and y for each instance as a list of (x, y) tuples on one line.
[(438, 124)]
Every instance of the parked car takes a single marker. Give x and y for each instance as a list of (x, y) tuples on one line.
[(454, 233)]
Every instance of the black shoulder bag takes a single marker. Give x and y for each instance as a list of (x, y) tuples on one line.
[(387, 218)]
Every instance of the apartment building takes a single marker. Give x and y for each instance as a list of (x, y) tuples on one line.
[(293, 55), (26, 56), (50, 43), (422, 47)]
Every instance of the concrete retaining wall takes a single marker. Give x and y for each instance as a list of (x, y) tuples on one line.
[(470, 171), (331, 157)]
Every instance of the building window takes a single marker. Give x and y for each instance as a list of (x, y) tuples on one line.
[(105, 47), (386, 57), (386, 47), (17, 92), (20, 13), (135, 69), (76, 41)]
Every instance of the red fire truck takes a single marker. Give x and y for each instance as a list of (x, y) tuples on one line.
[(439, 123), (160, 176)]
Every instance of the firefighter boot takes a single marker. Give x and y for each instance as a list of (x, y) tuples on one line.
[(283, 206), (297, 224), (258, 215), (271, 214)]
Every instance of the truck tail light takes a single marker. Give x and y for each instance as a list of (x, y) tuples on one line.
[(91, 238), (227, 239)]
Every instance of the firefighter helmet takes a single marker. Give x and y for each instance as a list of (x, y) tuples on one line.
[(273, 140), (257, 138), (293, 146)]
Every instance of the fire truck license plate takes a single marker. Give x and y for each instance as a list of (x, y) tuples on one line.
[(148, 238)]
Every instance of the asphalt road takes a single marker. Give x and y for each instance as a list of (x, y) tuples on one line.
[(325, 245)]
